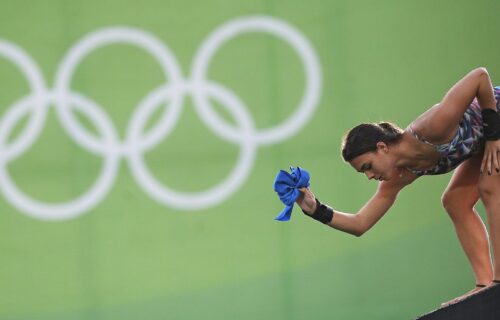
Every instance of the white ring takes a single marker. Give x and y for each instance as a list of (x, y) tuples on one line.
[(198, 200), (169, 95), (282, 30), (135, 139), (38, 106), (93, 41), (69, 209)]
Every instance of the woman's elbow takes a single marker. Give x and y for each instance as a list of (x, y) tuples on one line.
[(358, 233), (355, 225), (480, 71), (360, 229)]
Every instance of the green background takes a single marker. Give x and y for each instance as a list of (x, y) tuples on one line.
[(133, 258)]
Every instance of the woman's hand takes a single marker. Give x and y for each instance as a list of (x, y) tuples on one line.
[(306, 200), (490, 157)]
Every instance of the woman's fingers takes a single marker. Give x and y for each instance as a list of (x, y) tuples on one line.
[(495, 161), (300, 199), (483, 162), (488, 163), (306, 200), (491, 160), (496, 150)]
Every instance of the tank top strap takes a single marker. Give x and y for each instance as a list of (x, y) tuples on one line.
[(410, 129)]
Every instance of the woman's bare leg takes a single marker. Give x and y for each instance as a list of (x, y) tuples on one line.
[(489, 189), (459, 199)]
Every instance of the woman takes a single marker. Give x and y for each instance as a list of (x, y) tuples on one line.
[(462, 132)]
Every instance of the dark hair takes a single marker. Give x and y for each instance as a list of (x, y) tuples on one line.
[(364, 137)]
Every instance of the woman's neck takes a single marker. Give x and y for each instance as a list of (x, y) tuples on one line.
[(414, 154)]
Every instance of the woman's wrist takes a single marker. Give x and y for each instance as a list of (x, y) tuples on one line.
[(321, 213), (491, 124)]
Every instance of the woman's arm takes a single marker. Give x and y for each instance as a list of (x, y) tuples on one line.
[(439, 124), (476, 84), (357, 224)]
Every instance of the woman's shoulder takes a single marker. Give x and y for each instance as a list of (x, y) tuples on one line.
[(428, 127)]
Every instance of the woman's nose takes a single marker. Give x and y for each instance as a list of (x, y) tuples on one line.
[(369, 175)]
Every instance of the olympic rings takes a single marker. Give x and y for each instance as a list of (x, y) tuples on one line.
[(170, 95)]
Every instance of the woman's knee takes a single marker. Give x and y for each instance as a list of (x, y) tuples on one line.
[(489, 189), (457, 201)]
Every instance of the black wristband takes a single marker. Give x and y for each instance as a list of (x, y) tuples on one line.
[(491, 124), (323, 213)]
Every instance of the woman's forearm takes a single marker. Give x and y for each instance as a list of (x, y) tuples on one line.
[(347, 222), (357, 224)]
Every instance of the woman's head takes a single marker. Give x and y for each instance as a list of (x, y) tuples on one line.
[(363, 143)]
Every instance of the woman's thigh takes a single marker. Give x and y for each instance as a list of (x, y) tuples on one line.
[(463, 186), (489, 188)]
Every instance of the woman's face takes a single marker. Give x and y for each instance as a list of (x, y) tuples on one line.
[(378, 165)]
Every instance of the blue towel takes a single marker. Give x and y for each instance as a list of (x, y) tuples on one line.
[(287, 185)]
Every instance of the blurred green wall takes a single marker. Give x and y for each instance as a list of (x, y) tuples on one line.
[(132, 257)]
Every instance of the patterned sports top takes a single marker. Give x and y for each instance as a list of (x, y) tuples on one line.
[(467, 142)]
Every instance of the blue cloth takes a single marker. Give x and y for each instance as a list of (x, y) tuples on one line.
[(286, 186)]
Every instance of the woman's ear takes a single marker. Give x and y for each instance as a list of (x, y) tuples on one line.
[(382, 146)]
